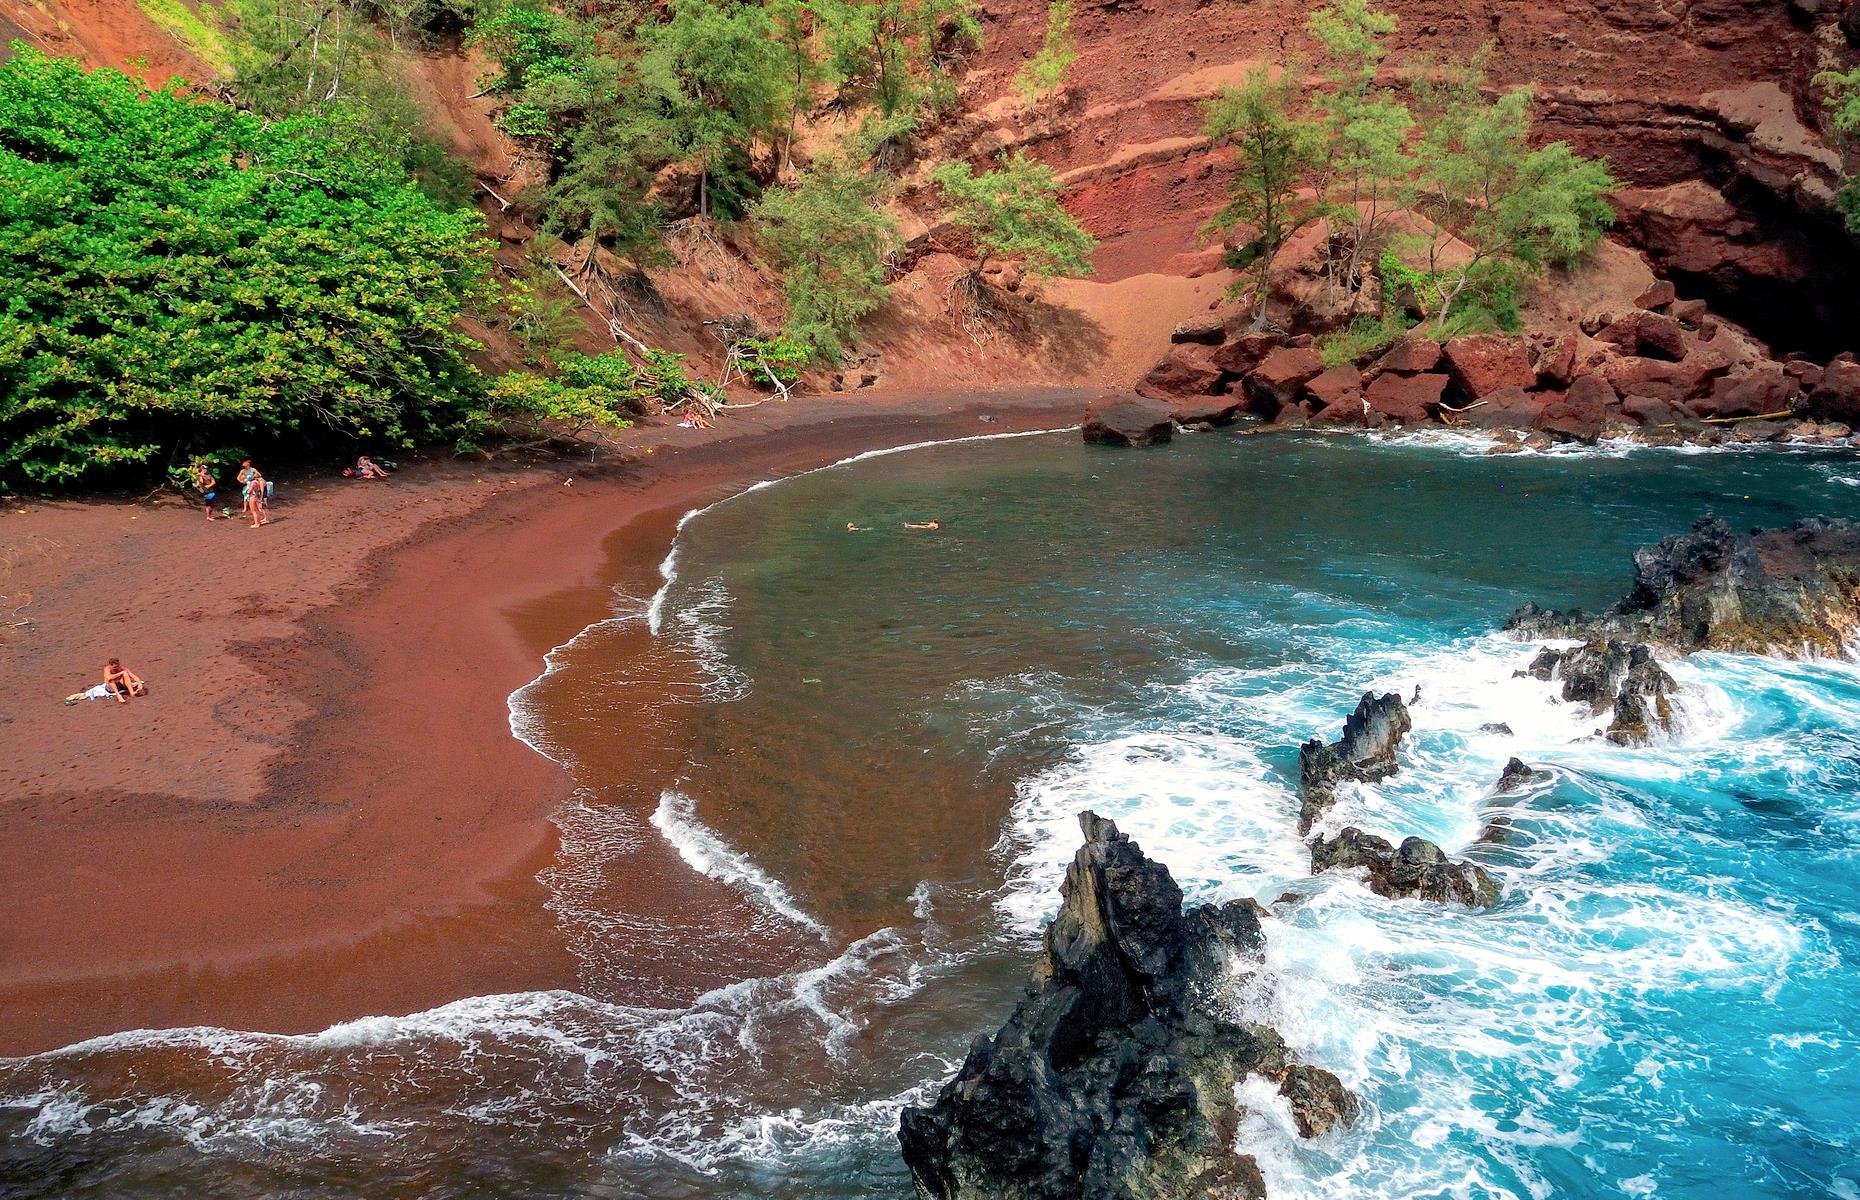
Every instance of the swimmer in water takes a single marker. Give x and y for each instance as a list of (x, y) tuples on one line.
[(851, 528), (923, 524)]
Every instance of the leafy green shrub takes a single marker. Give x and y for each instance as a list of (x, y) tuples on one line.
[(1842, 89), (1042, 74), (180, 276), (1013, 211), (531, 45), (769, 360), (1365, 336)]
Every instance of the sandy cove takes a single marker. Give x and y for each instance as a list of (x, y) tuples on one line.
[(320, 812)]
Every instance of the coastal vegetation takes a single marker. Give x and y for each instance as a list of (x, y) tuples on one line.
[(1842, 90), (1426, 183)]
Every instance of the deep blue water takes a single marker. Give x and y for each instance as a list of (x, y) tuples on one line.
[(897, 731)]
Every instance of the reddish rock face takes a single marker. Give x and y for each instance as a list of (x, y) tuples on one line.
[(1507, 408), (1579, 413), (1282, 374), (1337, 384), (1185, 371), (1122, 420), (1644, 410), (1244, 351), (1667, 381), (1206, 410), (1210, 331), (1647, 334), (1410, 356), (1837, 394), (1484, 363), (1348, 411), (1406, 399), (1556, 362), (1749, 393), (1661, 294)]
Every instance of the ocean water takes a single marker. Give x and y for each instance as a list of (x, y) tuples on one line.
[(879, 742)]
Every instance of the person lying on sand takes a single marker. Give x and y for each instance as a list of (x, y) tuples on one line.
[(96, 691), (122, 682), (923, 524)]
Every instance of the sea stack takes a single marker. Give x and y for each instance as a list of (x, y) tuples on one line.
[(1115, 1076)]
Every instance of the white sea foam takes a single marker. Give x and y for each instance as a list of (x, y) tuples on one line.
[(705, 852)]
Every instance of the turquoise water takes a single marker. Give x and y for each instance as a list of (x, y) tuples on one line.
[(894, 733)]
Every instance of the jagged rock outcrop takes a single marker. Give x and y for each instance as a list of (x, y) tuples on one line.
[(1115, 420), (1417, 868), (1114, 1079), (1365, 753), (1614, 676), (1518, 774), (1793, 592)]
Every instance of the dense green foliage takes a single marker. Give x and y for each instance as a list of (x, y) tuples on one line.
[(327, 60), (830, 237), (1041, 75), (1013, 211), (1842, 89), (178, 276), (1494, 210)]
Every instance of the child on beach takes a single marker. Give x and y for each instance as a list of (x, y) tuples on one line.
[(208, 485)]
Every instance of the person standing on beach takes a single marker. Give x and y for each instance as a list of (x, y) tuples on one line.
[(208, 485), (247, 473)]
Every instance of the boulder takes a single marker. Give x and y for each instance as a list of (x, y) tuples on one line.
[(1749, 393), (1646, 334), (1206, 410), (1243, 352), (1687, 312), (1577, 415), (1836, 394), (1318, 1100), (1405, 399), (1610, 675), (1365, 753), (1507, 408), (1281, 375), (1185, 371), (1793, 592), (854, 378), (1556, 362), (1658, 295), (1669, 381), (1648, 412), (1338, 383), (1482, 363), (1117, 420), (1417, 869), (1352, 410), (1115, 1076), (1209, 331), (1519, 774), (1410, 356)]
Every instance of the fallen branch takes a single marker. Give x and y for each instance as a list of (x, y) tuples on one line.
[(614, 327), (1771, 416), (1445, 407), (504, 205)]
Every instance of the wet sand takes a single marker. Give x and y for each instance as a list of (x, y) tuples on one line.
[(320, 813)]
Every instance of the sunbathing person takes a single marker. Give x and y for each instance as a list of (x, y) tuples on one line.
[(368, 468), (96, 691), (122, 682)]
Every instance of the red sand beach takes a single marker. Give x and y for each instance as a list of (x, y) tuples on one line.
[(320, 812)]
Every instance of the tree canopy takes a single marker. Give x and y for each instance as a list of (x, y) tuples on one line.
[(178, 275), (1013, 211)]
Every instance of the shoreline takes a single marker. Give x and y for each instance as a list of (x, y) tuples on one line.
[(322, 812)]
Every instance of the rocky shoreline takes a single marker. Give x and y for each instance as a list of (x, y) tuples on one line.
[(1661, 371), (1116, 1077)]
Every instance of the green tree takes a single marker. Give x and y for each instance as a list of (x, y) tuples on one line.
[(793, 25), (1501, 211), (897, 51), (178, 276), (1366, 168), (1042, 74), (1013, 212), (720, 65), (1276, 155), (1842, 90), (830, 237), (328, 59)]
